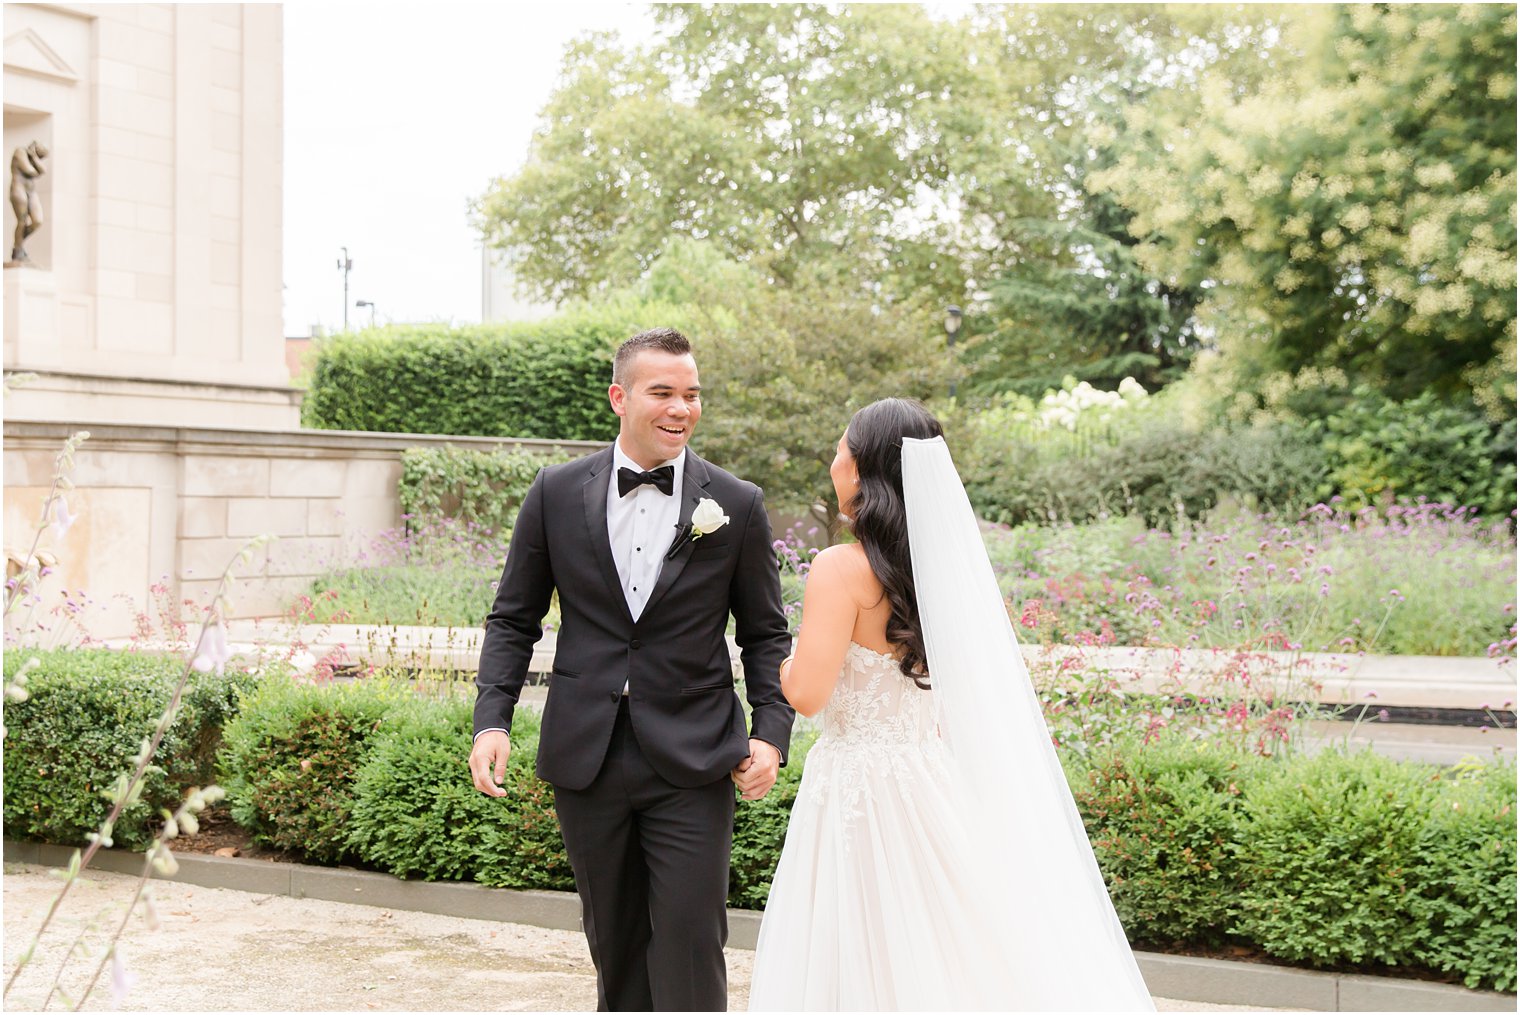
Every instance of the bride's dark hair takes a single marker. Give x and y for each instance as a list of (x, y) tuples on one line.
[(879, 519)]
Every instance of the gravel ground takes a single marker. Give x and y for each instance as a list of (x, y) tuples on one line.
[(222, 950)]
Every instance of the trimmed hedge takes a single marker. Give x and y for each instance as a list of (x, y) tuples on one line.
[(86, 717), (1358, 858), (1464, 872), (545, 379), (1163, 821), (416, 812), (1331, 860), (291, 758)]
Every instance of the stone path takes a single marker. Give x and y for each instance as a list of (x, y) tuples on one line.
[(223, 950)]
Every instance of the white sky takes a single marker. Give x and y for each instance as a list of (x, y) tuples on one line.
[(396, 115)]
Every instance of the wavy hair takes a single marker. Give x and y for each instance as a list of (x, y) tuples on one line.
[(879, 518)]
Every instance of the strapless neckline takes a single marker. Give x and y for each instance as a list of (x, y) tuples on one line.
[(872, 652)]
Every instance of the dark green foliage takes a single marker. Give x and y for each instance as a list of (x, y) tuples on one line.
[(416, 812), (484, 487), (1162, 820), (1098, 316), (1379, 448), (759, 830), (86, 718), (1326, 862), (1156, 472), (547, 379), (291, 757), (1463, 877)]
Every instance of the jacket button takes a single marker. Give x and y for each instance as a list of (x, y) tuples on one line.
[(616, 695), (635, 644)]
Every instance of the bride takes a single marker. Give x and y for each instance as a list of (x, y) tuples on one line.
[(935, 858)]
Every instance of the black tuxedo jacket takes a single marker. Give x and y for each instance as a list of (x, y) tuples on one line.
[(688, 720)]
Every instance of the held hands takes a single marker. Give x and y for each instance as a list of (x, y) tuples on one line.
[(488, 762), (756, 774)]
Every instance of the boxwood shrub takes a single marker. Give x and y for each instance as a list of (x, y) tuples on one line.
[(416, 812), (84, 722), (291, 757)]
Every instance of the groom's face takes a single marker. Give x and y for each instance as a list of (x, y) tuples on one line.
[(659, 407)]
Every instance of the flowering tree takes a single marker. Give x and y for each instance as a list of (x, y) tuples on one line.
[(1356, 207)]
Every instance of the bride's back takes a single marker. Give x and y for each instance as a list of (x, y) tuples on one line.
[(875, 704), (874, 610)]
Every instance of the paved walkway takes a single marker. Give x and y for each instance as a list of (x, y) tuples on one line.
[(223, 950)]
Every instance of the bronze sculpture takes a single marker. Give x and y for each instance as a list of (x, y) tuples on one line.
[(26, 166)]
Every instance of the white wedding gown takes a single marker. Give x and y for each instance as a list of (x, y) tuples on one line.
[(935, 858), (875, 904)]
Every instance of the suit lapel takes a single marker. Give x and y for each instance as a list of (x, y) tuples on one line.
[(594, 496), (693, 488)]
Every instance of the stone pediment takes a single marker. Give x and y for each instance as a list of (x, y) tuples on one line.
[(25, 51)]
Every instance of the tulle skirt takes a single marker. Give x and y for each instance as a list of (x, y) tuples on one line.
[(876, 903)]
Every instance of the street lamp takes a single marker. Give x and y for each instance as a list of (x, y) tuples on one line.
[(345, 265), (952, 327), (367, 303)]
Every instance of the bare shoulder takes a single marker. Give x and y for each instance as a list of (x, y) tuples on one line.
[(846, 567)]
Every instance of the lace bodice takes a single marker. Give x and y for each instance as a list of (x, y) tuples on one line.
[(874, 704)]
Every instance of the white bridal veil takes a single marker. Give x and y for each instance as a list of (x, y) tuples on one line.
[(1064, 939)]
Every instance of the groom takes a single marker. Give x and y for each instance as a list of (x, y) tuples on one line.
[(651, 548)]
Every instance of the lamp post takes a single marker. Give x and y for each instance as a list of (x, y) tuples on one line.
[(345, 265), (952, 327), (367, 303)]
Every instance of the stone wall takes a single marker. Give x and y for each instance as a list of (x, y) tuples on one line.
[(173, 505)]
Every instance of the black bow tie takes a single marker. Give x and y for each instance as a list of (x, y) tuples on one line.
[(662, 479)]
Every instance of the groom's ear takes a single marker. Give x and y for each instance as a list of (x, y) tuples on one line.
[(618, 398)]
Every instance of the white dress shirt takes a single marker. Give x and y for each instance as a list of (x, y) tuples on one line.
[(641, 527)]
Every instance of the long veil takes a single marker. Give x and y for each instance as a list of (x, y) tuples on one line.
[(1065, 940)]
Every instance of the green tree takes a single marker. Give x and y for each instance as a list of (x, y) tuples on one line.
[(877, 147), (1354, 207), (1067, 294), (784, 368), (794, 137)]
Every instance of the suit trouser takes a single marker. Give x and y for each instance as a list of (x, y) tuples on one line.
[(651, 867)]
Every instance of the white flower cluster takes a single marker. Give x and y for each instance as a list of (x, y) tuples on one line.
[(1066, 407)]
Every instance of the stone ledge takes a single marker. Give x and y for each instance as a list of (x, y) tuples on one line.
[(1182, 977), (259, 441)]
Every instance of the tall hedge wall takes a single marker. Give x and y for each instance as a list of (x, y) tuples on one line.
[(545, 379)]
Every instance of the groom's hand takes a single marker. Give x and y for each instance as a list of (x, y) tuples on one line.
[(756, 774), (488, 761)]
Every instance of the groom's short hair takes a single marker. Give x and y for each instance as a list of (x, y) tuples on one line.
[(658, 339)]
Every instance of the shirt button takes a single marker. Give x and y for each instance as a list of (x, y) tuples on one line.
[(635, 644), (638, 549)]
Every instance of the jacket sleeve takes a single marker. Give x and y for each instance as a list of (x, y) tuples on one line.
[(760, 630), (516, 621)]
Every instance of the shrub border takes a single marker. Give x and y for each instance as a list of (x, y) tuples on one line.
[(1180, 977)]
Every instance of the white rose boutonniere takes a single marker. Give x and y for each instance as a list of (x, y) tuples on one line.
[(707, 518)]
